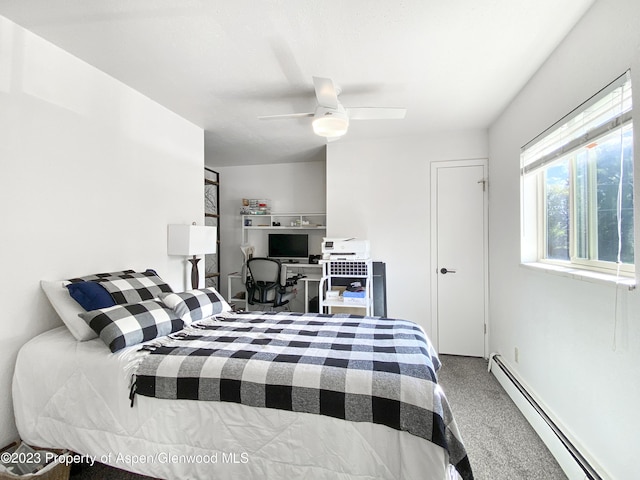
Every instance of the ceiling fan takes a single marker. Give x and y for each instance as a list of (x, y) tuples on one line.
[(331, 118)]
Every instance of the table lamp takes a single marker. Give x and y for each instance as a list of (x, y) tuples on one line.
[(190, 241)]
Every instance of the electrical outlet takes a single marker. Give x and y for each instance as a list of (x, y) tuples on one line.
[(516, 354)]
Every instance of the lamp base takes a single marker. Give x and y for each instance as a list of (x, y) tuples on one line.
[(195, 275)]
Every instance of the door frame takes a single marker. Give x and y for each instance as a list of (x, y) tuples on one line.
[(434, 244)]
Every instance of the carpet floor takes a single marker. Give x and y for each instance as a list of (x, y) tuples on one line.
[(500, 442)]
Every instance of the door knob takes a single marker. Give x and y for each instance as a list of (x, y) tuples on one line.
[(444, 271)]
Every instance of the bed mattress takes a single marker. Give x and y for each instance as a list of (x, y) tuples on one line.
[(75, 395)]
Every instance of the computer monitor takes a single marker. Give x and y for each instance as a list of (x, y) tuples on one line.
[(288, 245)]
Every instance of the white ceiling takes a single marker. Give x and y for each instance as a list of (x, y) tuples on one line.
[(221, 63)]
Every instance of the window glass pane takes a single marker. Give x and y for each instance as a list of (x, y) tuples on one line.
[(556, 182), (606, 156), (627, 253), (582, 211)]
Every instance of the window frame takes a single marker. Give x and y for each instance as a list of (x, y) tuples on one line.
[(539, 180)]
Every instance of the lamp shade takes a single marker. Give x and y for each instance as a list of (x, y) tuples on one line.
[(187, 240)]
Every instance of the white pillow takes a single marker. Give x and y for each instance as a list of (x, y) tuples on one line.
[(67, 309)]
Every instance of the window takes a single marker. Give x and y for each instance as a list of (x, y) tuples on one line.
[(577, 186)]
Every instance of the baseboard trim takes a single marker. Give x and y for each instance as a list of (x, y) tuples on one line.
[(572, 462)]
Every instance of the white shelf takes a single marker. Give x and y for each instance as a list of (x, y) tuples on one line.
[(265, 215), (339, 302), (271, 227), (316, 222), (356, 268), (285, 214)]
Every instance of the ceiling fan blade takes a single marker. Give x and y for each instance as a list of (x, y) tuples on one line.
[(376, 113), (286, 115), (325, 92)]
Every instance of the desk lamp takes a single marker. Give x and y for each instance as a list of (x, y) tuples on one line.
[(191, 241)]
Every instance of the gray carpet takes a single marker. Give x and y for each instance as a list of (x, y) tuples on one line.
[(500, 442)]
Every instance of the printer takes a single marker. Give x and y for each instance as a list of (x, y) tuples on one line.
[(345, 249)]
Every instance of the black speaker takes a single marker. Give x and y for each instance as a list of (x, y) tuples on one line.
[(379, 289)]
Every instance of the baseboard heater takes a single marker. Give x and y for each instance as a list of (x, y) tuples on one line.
[(581, 462)]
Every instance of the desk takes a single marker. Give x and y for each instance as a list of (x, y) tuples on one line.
[(311, 267), (241, 303), (306, 280), (312, 272)]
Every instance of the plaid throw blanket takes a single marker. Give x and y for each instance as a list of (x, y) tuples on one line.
[(360, 369)]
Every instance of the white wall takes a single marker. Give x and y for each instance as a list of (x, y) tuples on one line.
[(291, 187), (91, 174), (564, 328), (380, 191)]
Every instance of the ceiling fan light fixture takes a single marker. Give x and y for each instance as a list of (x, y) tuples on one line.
[(330, 125), (331, 119)]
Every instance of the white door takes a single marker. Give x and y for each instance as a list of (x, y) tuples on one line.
[(459, 254)]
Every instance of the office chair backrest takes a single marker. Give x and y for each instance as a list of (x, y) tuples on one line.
[(264, 282), (264, 269)]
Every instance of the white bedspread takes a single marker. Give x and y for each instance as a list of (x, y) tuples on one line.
[(74, 395)]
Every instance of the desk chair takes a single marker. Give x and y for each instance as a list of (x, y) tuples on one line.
[(265, 284)]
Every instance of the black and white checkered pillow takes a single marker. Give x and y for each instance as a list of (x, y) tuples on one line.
[(128, 286), (135, 287), (100, 276), (194, 305), (124, 325)]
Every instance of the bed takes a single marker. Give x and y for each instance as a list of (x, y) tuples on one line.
[(143, 409)]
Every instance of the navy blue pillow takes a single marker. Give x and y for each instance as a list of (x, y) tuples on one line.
[(91, 295)]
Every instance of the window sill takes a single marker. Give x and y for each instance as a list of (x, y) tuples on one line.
[(579, 274)]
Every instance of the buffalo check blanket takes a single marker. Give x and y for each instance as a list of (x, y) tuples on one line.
[(360, 369)]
